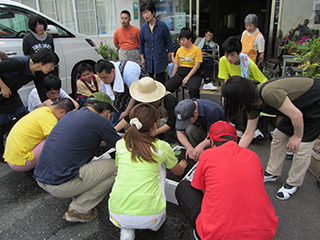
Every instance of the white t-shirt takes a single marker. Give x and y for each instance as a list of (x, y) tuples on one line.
[(34, 100)]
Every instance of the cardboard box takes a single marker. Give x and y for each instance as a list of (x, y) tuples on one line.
[(171, 185), (315, 163)]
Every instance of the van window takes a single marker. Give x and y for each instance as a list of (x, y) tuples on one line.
[(14, 23)]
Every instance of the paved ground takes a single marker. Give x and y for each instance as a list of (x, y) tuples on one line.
[(27, 212)]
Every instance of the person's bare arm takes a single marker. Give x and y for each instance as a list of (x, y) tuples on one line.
[(175, 68), (76, 104), (162, 129), (296, 117), (184, 141), (261, 55), (143, 61), (126, 112), (5, 90), (178, 169), (249, 133), (117, 46), (121, 125)]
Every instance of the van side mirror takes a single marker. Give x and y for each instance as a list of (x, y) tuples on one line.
[(52, 30)]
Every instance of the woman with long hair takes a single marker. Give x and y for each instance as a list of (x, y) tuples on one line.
[(137, 199)]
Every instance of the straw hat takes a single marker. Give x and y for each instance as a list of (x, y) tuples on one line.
[(147, 90)]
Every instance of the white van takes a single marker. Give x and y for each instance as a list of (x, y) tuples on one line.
[(72, 48)]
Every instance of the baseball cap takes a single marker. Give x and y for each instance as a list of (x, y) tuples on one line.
[(102, 97), (221, 129), (184, 111)]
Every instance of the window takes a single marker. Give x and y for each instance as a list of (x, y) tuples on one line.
[(13, 23)]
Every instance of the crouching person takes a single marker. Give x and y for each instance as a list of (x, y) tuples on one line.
[(234, 205), (138, 200), (27, 137), (65, 168)]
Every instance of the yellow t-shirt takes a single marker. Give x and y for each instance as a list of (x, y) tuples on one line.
[(227, 70), (26, 134), (188, 57)]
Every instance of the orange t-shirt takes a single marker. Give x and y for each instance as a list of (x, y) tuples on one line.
[(127, 38)]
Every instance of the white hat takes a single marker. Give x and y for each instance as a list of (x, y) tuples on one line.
[(147, 90)]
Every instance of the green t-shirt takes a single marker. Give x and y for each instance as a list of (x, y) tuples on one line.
[(137, 189), (275, 92), (227, 70)]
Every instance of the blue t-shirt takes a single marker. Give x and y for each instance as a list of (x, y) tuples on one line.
[(71, 144), (209, 113)]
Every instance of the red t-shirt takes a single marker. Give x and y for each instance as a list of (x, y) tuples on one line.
[(127, 38), (235, 204)]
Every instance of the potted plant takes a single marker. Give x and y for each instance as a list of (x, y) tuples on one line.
[(309, 56)]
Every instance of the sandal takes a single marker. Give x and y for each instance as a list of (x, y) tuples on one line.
[(286, 191)]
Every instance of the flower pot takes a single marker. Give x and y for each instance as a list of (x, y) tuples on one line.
[(292, 50)]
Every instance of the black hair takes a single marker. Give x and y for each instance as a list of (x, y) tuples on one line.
[(64, 103), (98, 106), (33, 19), (51, 82), (84, 67), (126, 12), (232, 44), (185, 32), (239, 93), (211, 30), (45, 55), (227, 137), (148, 6), (105, 65)]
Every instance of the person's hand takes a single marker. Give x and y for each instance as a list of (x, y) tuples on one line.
[(185, 80), (197, 151), (293, 143), (143, 63), (204, 53), (6, 92), (189, 152), (183, 163), (122, 115)]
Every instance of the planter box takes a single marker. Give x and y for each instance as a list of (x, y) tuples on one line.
[(171, 184)]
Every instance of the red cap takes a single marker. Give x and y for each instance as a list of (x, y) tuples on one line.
[(221, 129)]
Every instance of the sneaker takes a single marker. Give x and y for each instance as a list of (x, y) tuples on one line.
[(209, 86), (74, 216), (258, 134), (286, 191), (195, 235), (127, 234), (269, 178), (239, 133), (289, 155)]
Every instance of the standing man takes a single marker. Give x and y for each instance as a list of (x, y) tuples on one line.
[(65, 168), (126, 39), (155, 43)]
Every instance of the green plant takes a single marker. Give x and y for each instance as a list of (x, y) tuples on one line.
[(108, 53), (309, 55)]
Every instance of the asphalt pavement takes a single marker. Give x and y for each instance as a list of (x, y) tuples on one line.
[(28, 212)]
